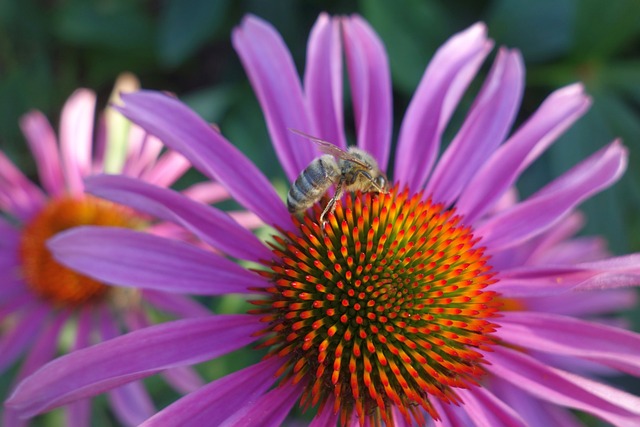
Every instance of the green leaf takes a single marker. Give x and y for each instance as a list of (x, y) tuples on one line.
[(541, 29), (411, 30), (604, 29), (185, 25)]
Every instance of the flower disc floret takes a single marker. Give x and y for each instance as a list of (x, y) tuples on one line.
[(48, 279), (384, 307)]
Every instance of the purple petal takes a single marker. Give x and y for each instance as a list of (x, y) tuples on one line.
[(486, 410), (183, 379), (44, 146), (443, 83), (563, 388), (19, 197), (175, 304), (79, 413), (567, 336), (582, 304), (485, 127), (370, 81), (181, 129), (535, 412), (559, 111), (217, 401), (268, 410), (76, 137), (130, 357), (326, 417), (131, 403), (552, 203), (125, 257), (323, 81), (273, 75), (210, 224), (22, 334)]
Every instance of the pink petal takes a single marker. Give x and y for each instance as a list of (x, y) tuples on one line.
[(185, 132), (211, 225), (486, 410), (323, 81), (44, 146), (129, 258), (370, 81), (567, 336), (443, 83), (76, 137), (273, 75), (268, 410), (169, 168), (19, 197), (558, 112), (206, 192), (553, 202), (582, 304), (485, 127), (563, 388), (129, 357), (326, 417), (217, 401)]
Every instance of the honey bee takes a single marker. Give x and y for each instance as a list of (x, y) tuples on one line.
[(352, 170)]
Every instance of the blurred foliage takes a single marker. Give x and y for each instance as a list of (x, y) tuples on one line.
[(49, 48)]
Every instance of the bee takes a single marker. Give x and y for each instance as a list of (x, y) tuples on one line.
[(352, 170)]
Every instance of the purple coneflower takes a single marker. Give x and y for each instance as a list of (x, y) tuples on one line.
[(439, 302), (39, 298)]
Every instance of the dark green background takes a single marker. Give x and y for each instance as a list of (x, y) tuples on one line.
[(49, 48)]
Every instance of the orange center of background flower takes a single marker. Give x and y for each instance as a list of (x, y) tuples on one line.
[(44, 276), (384, 308)]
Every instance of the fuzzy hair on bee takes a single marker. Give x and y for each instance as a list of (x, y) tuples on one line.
[(351, 170)]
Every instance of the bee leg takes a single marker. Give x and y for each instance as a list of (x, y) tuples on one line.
[(331, 206)]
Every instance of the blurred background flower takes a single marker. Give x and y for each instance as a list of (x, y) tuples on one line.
[(47, 49)]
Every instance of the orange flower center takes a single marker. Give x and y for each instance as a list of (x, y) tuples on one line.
[(49, 280), (384, 308)]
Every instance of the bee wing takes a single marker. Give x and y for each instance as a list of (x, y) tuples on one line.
[(329, 148)]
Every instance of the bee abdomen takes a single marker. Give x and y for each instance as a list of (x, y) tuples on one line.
[(311, 184)]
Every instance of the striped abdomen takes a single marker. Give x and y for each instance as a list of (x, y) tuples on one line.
[(312, 183)]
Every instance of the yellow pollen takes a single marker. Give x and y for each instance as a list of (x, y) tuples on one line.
[(387, 307), (49, 280)]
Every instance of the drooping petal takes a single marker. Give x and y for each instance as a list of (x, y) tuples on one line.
[(545, 332), (565, 389), (218, 400), (583, 304), (206, 192), (273, 75), (443, 83), (76, 137), (22, 334), (323, 81), (486, 410), (326, 417), (208, 151), (44, 146), (129, 357), (268, 410), (168, 169), (124, 257), (19, 197), (78, 413), (208, 223), (499, 173), (555, 201), (131, 403), (370, 81), (485, 127)]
